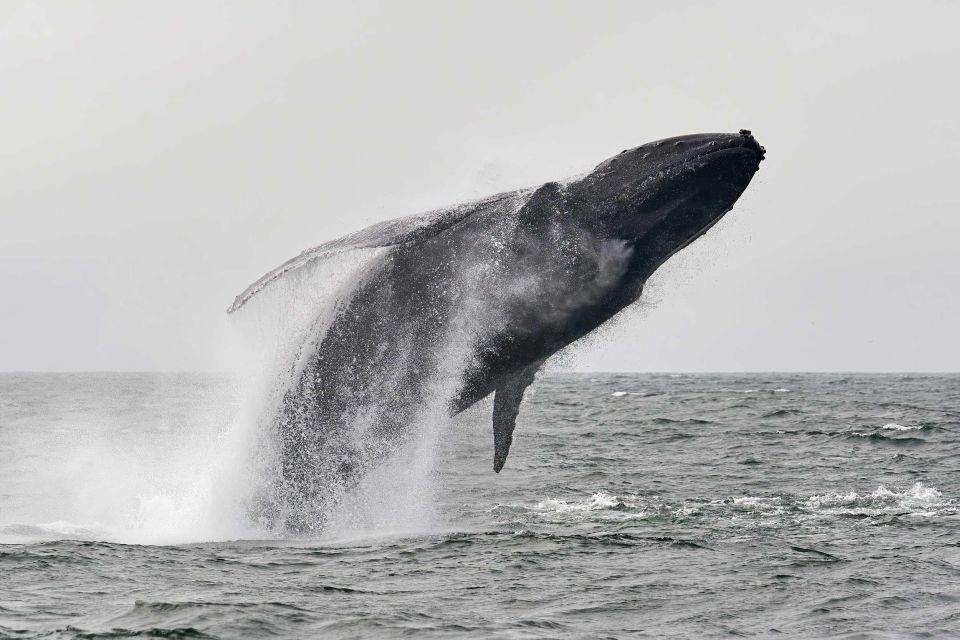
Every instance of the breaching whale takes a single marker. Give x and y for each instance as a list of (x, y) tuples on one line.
[(471, 300)]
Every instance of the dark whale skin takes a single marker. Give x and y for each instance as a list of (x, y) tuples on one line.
[(472, 300)]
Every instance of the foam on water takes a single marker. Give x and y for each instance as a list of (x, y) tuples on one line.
[(919, 499), (892, 426), (598, 501), (916, 500)]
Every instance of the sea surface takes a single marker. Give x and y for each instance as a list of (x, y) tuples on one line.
[(653, 505)]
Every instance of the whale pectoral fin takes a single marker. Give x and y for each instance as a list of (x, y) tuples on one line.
[(506, 406), (384, 234)]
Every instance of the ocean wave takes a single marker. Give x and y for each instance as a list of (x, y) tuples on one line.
[(782, 413), (597, 502), (176, 633), (919, 499), (916, 500), (895, 440), (892, 426), (598, 506)]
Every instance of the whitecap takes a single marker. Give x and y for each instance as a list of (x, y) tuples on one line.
[(600, 506), (893, 426), (684, 510), (764, 507), (598, 501), (919, 499)]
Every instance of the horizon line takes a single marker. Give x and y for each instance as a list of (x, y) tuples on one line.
[(548, 371)]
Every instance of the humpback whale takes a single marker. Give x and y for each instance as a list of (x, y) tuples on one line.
[(471, 300)]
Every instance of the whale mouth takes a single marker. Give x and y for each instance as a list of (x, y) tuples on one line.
[(746, 158), (694, 193), (743, 149)]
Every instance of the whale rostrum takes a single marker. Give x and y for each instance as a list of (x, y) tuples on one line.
[(471, 300)]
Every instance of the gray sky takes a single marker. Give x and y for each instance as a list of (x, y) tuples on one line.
[(157, 157)]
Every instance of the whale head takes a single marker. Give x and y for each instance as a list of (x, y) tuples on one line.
[(661, 196)]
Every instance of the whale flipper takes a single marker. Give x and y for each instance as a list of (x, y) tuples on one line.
[(506, 405), (384, 234)]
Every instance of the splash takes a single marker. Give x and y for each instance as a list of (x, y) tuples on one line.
[(380, 363), (354, 405), (134, 461), (151, 466)]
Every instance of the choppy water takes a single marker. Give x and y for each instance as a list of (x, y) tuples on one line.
[(631, 505)]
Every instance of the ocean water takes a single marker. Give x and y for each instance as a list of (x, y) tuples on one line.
[(661, 506)]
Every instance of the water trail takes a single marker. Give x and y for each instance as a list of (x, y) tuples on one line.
[(353, 425), (397, 496), (216, 492), (281, 328), (395, 493)]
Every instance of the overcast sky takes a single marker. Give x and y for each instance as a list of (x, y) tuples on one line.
[(157, 157)]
